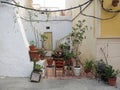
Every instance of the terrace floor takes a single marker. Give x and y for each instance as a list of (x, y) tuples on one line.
[(50, 82), (12, 83)]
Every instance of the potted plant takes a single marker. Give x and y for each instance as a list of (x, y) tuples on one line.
[(49, 62), (88, 66), (68, 58), (32, 45), (77, 37), (68, 55), (43, 39), (65, 46), (100, 66), (111, 75), (34, 56), (37, 67), (42, 53), (57, 54), (36, 73)]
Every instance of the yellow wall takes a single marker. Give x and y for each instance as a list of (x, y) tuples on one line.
[(110, 28)]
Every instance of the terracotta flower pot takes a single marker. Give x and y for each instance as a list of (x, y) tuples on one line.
[(87, 70), (112, 81), (34, 55), (42, 57), (49, 62), (68, 62), (32, 48)]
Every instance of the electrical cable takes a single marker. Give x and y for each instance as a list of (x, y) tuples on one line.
[(81, 12), (45, 10), (107, 10), (79, 6)]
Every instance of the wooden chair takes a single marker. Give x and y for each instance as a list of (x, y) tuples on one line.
[(59, 65)]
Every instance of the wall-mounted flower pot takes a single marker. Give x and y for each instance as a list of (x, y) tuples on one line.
[(34, 55), (32, 47)]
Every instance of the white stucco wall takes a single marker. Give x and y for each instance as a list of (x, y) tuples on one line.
[(58, 28), (14, 57)]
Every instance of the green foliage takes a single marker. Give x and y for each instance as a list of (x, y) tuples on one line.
[(105, 71), (68, 55), (77, 36), (42, 51), (32, 43), (57, 54), (110, 72), (38, 67), (78, 31), (89, 65), (43, 37), (64, 46)]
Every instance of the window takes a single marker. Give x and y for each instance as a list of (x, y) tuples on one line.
[(51, 4)]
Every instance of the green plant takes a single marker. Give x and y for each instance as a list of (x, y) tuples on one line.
[(43, 39), (88, 66), (77, 34), (32, 43), (37, 67), (110, 72), (100, 66), (64, 46), (77, 37), (57, 54), (68, 55), (42, 51)]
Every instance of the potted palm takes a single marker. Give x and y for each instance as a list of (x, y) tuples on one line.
[(111, 75), (77, 37)]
